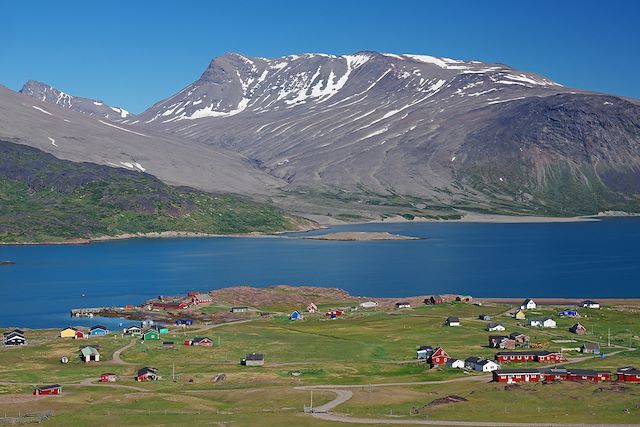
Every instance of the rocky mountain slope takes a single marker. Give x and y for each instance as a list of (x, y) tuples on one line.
[(48, 199), (74, 136), (90, 107), (374, 128)]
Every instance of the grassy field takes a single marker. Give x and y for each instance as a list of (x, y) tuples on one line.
[(361, 348)]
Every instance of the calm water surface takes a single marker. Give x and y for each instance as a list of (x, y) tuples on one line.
[(585, 259)]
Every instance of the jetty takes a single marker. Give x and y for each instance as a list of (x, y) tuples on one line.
[(89, 312)]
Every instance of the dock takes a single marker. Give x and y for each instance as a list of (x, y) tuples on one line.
[(90, 312)]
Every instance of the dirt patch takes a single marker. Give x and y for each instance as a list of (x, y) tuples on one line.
[(614, 388), (447, 400), (18, 398)]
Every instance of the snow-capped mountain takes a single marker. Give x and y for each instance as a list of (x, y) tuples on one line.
[(90, 107), (440, 130), (78, 137)]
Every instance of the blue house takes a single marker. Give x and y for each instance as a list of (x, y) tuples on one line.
[(187, 322), (98, 330), (295, 315), (568, 313)]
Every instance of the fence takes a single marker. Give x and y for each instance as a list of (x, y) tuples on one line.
[(30, 418)]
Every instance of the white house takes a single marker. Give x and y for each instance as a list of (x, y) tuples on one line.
[(455, 363), (528, 304), (590, 304), (369, 304), (542, 323), (481, 364), (492, 327)]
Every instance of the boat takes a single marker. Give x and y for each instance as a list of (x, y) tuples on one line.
[(7, 262)]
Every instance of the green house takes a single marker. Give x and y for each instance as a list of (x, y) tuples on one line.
[(164, 330), (151, 335)]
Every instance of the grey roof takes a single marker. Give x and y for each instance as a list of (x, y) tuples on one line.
[(254, 356), (89, 351), (517, 371), (591, 345), (453, 319)]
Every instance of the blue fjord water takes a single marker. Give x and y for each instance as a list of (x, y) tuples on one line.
[(582, 259)]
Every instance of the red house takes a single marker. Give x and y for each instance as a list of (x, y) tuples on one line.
[(45, 390), (80, 335), (201, 298), (437, 357), (516, 375), (108, 378), (335, 312), (202, 342), (628, 374), (147, 374), (436, 299)]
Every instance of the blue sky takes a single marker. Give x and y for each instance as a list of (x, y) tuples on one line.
[(134, 53)]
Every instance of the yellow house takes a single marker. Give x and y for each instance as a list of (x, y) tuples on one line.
[(520, 315), (68, 333)]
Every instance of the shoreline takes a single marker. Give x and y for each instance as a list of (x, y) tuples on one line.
[(328, 223)]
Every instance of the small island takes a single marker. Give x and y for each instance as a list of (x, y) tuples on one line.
[(361, 236)]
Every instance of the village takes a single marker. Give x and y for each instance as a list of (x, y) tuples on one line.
[(454, 338)]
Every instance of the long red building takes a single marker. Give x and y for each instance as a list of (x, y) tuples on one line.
[(528, 356), (517, 375), (550, 374), (628, 374)]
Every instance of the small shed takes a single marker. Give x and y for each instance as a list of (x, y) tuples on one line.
[(312, 308), (403, 304), (590, 347), (520, 315), (484, 317), (295, 315), (89, 354), (241, 309), (493, 327), (45, 390), (422, 353), (452, 321), (253, 359)]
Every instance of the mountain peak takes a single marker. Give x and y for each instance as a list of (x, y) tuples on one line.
[(91, 107)]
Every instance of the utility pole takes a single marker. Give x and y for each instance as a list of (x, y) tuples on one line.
[(173, 371), (311, 400), (609, 338)]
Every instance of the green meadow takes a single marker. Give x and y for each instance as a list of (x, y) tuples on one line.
[(361, 348)]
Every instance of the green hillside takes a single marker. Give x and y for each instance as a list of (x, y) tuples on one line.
[(46, 199)]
